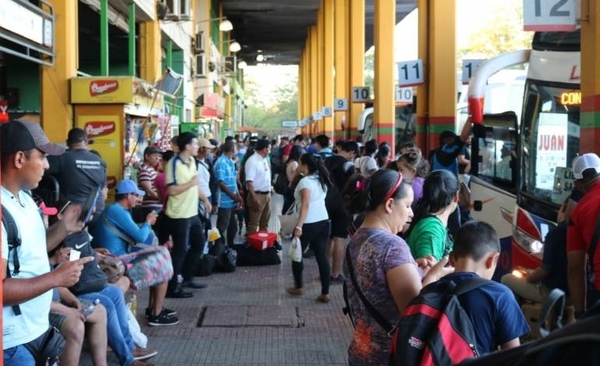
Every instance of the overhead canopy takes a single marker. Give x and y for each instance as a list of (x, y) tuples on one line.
[(278, 28)]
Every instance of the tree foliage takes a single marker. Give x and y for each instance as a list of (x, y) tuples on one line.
[(266, 111), (503, 33)]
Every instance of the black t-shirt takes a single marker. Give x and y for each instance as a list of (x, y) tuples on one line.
[(79, 172), (466, 152), (92, 278)]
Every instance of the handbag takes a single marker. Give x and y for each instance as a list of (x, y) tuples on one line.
[(148, 267), (46, 348), (113, 267), (289, 220)]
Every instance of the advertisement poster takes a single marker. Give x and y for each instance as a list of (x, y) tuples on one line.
[(105, 133), (551, 148)]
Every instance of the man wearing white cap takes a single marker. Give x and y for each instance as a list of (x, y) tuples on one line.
[(581, 231)]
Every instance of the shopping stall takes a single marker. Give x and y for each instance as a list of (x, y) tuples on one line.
[(122, 115)]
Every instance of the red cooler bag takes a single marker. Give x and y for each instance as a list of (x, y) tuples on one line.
[(261, 240)]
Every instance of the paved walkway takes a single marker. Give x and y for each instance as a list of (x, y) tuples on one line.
[(248, 319)]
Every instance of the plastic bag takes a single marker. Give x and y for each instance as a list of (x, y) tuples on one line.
[(213, 234), (296, 250), (139, 338)]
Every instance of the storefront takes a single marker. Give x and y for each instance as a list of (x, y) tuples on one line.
[(26, 42), (209, 114), (122, 115)]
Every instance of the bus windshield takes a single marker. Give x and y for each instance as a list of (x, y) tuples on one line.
[(549, 140)]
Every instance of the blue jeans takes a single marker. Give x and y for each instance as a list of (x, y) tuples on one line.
[(18, 356), (119, 337)]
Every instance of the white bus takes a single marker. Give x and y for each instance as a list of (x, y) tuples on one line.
[(523, 208)]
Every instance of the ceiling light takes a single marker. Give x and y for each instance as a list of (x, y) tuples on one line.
[(225, 26), (242, 65), (234, 47), (260, 58)]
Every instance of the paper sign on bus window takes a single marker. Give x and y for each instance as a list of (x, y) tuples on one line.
[(551, 148)]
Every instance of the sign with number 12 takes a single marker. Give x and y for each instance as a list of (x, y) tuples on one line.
[(550, 15)]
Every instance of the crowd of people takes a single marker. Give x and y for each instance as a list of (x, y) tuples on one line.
[(400, 227)]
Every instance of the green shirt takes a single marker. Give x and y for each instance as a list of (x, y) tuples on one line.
[(429, 237)]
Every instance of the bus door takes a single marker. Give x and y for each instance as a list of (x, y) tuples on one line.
[(493, 180)]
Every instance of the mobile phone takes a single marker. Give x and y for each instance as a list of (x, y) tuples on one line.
[(62, 210), (89, 206)]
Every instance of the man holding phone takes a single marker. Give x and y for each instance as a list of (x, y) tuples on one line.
[(26, 278)]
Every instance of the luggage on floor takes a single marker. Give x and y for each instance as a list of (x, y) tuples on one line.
[(246, 256), (261, 240)]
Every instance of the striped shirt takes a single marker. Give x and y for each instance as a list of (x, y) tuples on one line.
[(147, 174), (225, 171)]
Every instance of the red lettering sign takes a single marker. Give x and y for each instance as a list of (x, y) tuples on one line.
[(551, 143), (99, 128), (98, 87), (575, 74), (3, 111)]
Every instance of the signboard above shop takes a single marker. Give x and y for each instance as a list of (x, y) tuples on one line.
[(30, 27)]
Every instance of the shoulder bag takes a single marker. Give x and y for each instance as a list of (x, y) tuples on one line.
[(289, 220), (380, 319)]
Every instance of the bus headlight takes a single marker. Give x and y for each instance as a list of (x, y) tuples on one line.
[(526, 242)]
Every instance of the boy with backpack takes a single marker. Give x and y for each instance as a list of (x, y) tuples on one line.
[(492, 308), (464, 314)]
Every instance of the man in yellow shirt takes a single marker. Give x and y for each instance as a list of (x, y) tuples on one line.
[(181, 214)]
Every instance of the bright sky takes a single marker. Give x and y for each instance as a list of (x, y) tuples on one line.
[(471, 15)]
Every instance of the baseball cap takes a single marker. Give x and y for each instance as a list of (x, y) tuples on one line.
[(24, 135), (152, 150), (586, 166), (128, 186), (76, 135), (203, 142)]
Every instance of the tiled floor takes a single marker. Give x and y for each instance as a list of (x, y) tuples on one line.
[(250, 320)]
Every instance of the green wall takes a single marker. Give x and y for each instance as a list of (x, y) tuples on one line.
[(25, 76), (114, 69)]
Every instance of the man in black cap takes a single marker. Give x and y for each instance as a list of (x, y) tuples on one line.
[(26, 278), (79, 171)]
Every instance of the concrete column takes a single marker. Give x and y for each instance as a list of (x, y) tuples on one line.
[(590, 84), (320, 67), (150, 53), (314, 72), (57, 111), (341, 64), (357, 60), (436, 109), (328, 65), (384, 105)]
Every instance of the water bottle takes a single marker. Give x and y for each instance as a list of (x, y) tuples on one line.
[(88, 309)]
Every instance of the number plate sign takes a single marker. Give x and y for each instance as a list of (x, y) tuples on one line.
[(410, 73), (340, 104), (317, 116), (404, 95), (361, 94), (550, 15), (290, 124), (468, 69), (326, 111)]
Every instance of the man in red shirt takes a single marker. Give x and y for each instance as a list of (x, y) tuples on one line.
[(583, 221)]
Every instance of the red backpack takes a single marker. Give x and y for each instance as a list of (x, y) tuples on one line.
[(434, 329)]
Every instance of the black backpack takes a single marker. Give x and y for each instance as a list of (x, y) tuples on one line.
[(14, 241), (281, 184), (277, 165), (434, 329)]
